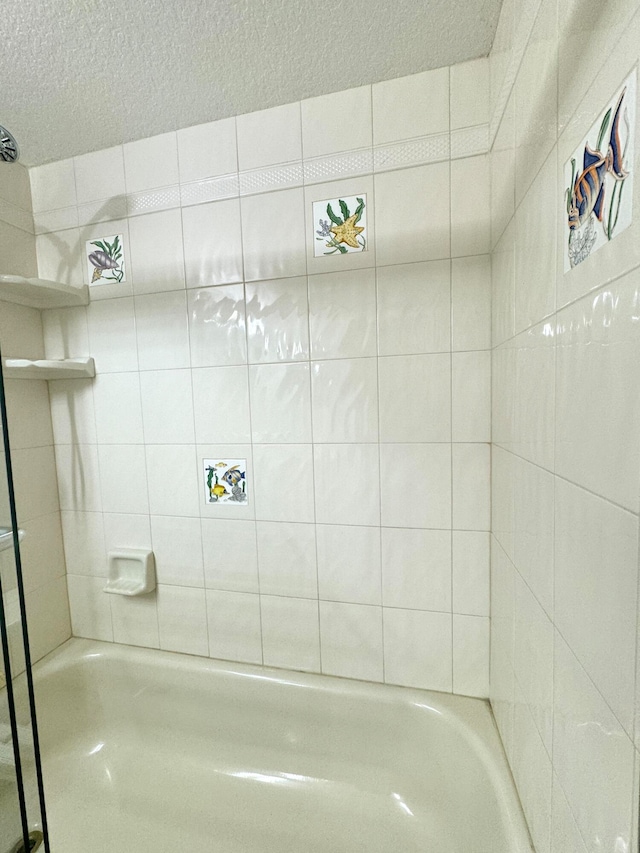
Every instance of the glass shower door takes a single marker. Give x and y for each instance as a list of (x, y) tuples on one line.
[(22, 813)]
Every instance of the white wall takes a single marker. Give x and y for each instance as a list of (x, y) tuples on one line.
[(566, 433), (31, 435), (356, 386)]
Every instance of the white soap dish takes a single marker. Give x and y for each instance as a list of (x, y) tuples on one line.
[(132, 571)]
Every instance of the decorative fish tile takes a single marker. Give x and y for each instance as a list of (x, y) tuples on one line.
[(105, 260), (599, 179), (340, 225), (225, 481)]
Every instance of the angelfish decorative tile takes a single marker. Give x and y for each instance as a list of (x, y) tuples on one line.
[(599, 179), (105, 260), (225, 481), (340, 225)]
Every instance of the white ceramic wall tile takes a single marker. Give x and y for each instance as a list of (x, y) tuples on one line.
[(48, 619), (239, 574), (72, 411), (471, 655), (162, 331), (351, 640), (167, 406), (89, 235), (212, 243), (156, 256), (598, 392), (416, 569), (207, 150), (471, 303), (123, 478), (78, 477), (470, 572), (338, 122), (60, 258), (533, 660), (533, 525), (287, 559), (273, 235), (536, 226), (221, 404), (411, 106), (349, 563), (280, 403), (135, 620), (471, 396), (469, 103), (269, 136), (341, 472), (182, 620), (84, 547), (125, 530), (53, 186), (277, 320), (587, 734), (234, 626), (422, 471), (173, 485), (290, 632), (37, 466), (342, 314), (217, 326), (108, 322), (118, 411), (65, 332), (345, 400), (177, 546), (470, 206), (503, 263), (414, 308), (99, 175), (532, 773), (415, 398), (471, 486), (429, 636), (42, 551), (151, 163), (284, 482), (565, 835), (596, 552), (423, 190), (90, 608), (28, 413)]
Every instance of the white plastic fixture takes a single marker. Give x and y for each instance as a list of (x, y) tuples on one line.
[(132, 571), (64, 368), (40, 293)]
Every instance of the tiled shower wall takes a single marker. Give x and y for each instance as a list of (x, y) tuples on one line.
[(356, 386), (566, 433), (32, 451)]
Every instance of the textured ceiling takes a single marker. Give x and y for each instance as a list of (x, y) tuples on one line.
[(80, 75)]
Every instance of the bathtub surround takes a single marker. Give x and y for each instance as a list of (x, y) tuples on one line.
[(354, 384), (566, 421), (31, 436)]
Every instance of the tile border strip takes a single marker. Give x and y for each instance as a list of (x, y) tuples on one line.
[(435, 148)]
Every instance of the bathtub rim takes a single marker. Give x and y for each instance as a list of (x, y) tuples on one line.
[(471, 717)]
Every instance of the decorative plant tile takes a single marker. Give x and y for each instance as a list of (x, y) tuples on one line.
[(340, 225), (225, 481), (599, 179), (105, 260)]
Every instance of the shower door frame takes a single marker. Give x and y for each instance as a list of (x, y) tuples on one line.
[(4, 641)]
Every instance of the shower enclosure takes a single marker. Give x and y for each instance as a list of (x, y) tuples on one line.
[(23, 825)]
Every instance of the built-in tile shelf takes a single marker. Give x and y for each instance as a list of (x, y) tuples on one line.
[(68, 368), (40, 293)]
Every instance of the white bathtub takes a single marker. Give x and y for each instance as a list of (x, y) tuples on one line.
[(155, 752)]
